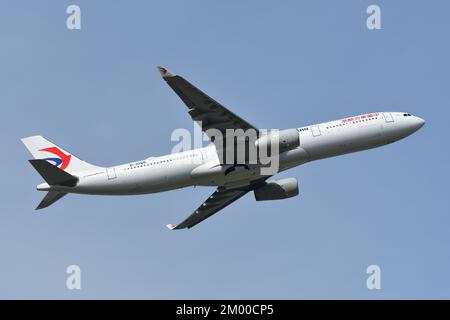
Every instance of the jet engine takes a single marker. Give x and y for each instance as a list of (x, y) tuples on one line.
[(277, 189), (288, 139)]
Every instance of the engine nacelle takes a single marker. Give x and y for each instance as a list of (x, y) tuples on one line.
[(277, 189), (287, 140)]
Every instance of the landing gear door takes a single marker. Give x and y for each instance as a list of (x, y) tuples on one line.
[(388, 117), (111, 172)]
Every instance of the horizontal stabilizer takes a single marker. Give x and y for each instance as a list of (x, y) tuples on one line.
[(50, 198), (52, 174)]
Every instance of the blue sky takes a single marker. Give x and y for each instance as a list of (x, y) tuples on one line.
[(97, 93)]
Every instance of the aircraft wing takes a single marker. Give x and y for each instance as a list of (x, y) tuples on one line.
[(203, 108), (217, 201)]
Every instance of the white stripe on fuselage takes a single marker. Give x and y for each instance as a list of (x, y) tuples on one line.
[(201, 166)]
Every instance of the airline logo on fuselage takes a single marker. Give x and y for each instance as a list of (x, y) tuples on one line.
[(62, 160)]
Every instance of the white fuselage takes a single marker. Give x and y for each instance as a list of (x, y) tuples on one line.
[(201, 166)]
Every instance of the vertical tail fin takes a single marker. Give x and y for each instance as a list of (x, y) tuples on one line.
[(43, 149)]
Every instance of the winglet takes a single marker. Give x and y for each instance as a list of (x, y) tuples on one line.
[(171, 226), (165, 73)]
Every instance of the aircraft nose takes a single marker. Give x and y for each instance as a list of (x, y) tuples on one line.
[(419, 122)]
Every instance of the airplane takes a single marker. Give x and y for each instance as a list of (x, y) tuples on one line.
[(64, 173)]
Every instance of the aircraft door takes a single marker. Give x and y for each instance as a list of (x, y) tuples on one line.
[(315, 131), (388, 117), (111, 172)]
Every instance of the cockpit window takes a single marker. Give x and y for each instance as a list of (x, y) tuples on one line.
[(407, 115)]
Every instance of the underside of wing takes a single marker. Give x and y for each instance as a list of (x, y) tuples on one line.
[(217, 201), (221, 198)]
